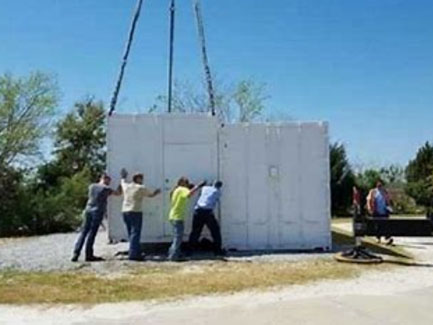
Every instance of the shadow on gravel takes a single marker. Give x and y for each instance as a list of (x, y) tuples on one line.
[(343, 239), (409, 263)]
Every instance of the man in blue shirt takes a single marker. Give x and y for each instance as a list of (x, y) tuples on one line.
[(378, 204), (204, 216)]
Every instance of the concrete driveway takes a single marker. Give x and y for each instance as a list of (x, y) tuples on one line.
[(408, 308), (413, 307)]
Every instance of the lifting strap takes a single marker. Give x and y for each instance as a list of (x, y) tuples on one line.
[(125, 57), (202, 40), (170, 55)]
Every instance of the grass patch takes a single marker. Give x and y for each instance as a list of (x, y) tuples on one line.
[(338, 220), (165, 282)]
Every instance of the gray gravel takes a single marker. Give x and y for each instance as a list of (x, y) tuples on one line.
[(53, 253)]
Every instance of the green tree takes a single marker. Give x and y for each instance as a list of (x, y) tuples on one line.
[(10, 189), (58, 209), (342, 179), (60, 187), (367, 179), (419, 175), (79, 143), (27, 106), (249, 100), (241, 102), (393, 175)]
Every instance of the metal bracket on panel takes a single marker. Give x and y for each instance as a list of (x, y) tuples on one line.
[(274, 172)]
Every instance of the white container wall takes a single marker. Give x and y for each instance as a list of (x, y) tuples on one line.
[(276, 186), (163, 148), (276, 177)]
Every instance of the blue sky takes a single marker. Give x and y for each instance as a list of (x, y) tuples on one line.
[(364, 66)]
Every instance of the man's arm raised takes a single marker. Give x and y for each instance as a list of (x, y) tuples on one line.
[(196, 188)]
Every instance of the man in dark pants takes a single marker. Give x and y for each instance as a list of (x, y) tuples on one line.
[(132, 210), (378, 205), (204, 216), (93, 215)]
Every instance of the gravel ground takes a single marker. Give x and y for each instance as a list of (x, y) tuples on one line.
[(53, 253), (398, 296)]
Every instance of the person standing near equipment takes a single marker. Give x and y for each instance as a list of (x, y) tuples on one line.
[(204, 216), (93, 214), (378, 205), (132, 210), (179, 197)]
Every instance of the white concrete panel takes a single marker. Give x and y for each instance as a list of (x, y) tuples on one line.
[(233, 173), (276, 180), (315, 183), (163, 148), (274, 160), (257, 189), (276, 176), (182, 128), (134, 144), (290, 176)]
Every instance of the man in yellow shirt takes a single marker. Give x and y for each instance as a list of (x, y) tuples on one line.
[(180, 196), (132, 210)]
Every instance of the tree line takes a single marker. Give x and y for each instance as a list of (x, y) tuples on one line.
[(410, 187), (40, 195)]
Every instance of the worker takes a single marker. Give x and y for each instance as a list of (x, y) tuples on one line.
[(179, 197), (132, 210), (378, 205), (204, 216), (92, 217)]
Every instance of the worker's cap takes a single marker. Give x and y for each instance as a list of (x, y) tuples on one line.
[(136, 176), (105, 176)]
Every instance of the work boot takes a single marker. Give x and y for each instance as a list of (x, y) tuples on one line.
[(220, 252), (94, 259)]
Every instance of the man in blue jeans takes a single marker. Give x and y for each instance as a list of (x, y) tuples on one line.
[(179, 197), (204, 216), (93, 215), (132, 210)]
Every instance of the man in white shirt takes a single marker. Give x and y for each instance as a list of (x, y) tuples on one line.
[(132, 210)]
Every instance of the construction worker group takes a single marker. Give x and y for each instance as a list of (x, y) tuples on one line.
[(132, 212)]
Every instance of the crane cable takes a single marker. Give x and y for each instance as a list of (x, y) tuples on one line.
[(172, 10), (125, 57), (202, 40)]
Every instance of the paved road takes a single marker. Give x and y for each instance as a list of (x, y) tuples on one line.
[(405, 308), (408, 308)]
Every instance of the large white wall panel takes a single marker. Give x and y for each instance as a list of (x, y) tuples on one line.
[(164, 148), (134, 143), (233, 173), (276, 176), (276, 193)]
